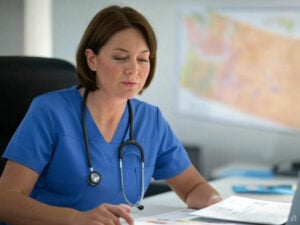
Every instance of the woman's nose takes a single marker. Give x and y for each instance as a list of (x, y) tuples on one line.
[(132, 68)]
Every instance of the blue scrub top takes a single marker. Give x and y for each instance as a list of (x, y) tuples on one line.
[(50, 141)]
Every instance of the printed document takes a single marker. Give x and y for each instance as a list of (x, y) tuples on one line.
[(241, 209), (179, 217)]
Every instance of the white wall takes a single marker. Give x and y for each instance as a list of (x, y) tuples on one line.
[(221, 143), (25, 27), (37, 28), (11, 27)]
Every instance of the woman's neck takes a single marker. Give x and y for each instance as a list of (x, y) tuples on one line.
[(106, 113)]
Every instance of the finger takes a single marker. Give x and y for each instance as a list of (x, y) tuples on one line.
[(126, 207), (111, 214), (123, 212)]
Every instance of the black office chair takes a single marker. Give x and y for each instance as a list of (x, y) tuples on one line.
[(21, 79)]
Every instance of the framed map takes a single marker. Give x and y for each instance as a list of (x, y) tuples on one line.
[(240, 65)]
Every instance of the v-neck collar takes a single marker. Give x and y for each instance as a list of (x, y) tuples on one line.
[(122, 131)]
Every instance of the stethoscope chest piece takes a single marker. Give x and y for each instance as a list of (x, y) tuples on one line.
[(94, 178)]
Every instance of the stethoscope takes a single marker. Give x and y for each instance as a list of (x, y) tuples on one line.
[(94, 177)]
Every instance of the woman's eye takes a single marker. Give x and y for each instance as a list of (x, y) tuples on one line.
[(120, 58), (143, 60), (125, 58)]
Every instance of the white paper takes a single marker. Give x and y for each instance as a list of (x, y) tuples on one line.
[(248, 210), (178, 217)]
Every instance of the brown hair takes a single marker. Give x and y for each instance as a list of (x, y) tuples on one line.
[(103, 26)]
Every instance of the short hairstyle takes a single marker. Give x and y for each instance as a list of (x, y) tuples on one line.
[(102, 27)]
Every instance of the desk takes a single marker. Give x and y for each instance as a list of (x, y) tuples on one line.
[(169, 201)]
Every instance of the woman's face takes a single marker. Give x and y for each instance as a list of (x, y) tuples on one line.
[(122, 64)]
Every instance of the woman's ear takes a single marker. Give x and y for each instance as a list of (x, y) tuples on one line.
[(91, 59)]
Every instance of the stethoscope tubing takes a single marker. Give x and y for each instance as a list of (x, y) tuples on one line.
[(137, 204), (130, 141)]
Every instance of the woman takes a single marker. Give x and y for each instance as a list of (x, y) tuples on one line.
[(63, 160)]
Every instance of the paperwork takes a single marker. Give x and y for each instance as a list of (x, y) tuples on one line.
[(231, 211), (179, 217), (241, 209)]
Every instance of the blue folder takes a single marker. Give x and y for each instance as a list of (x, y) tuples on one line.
[(264, 189)]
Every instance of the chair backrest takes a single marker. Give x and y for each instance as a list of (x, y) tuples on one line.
[(21, 79)]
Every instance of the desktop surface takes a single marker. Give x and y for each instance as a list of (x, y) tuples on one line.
[(169, 201)]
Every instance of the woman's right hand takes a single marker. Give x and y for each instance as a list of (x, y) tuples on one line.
[(17, 182), (105, 214)]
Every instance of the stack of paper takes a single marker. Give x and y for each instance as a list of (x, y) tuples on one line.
[(233, 210), (241, 209)]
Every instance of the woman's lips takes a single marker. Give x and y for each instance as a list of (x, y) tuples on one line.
[(129, 83)]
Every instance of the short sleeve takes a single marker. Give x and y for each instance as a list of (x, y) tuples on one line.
[(172, 157), (33, 140)]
